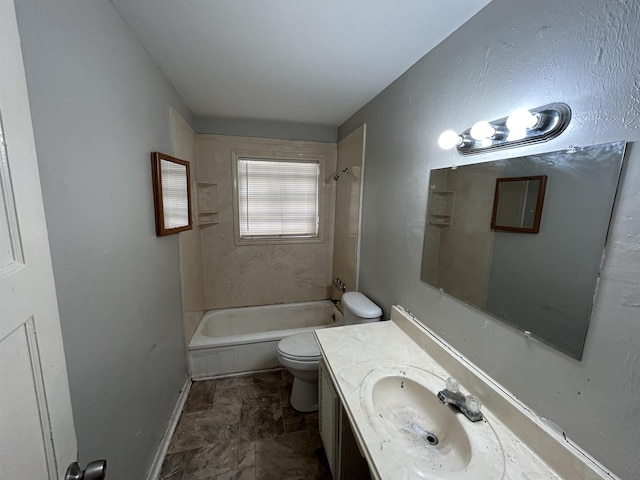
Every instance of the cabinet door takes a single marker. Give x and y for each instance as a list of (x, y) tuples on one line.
[(329, 419), (353, 466)]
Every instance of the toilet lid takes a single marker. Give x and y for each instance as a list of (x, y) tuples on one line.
[(360, 305), (302, 346)]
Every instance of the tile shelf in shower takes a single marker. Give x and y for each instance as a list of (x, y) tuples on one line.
[(441, 208), (440, 220), (207, 204), (202, 223)]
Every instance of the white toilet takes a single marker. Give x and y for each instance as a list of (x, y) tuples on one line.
[(301, 356)]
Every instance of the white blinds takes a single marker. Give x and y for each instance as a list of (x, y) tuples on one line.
[(277, 198), (174, 194)]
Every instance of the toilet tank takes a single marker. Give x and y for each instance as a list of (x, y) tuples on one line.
[(359, 309)]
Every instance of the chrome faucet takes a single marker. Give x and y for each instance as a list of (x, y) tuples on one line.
[(469, 405)]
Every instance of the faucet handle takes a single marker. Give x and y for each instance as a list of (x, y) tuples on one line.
[(453, 385), (473, 404)]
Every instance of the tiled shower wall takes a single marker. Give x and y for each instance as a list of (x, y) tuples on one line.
[(191, 273), (347, 212), (464, 255), (236, 276)]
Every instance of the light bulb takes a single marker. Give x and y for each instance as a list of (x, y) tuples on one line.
[(516, 134), (449, 139), (482, 130), (522, 119)]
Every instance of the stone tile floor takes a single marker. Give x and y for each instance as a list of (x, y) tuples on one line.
[(243, 428)]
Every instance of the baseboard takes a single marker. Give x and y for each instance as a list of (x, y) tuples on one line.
[(156, 466)]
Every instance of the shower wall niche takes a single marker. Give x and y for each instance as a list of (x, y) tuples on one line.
[(207, 205)]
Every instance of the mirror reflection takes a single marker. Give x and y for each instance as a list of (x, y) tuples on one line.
[(517, 205), (544, 283)]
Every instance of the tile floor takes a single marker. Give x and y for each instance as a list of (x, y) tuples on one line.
[(243, 428)]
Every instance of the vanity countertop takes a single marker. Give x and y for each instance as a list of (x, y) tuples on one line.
[(532, 448)]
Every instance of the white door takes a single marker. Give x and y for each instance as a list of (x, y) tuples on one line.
[(37, 436)]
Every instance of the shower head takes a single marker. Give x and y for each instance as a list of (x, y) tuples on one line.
[(337, 175)]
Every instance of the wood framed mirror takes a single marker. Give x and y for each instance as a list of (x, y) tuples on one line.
[(171, 194), (517, 204)]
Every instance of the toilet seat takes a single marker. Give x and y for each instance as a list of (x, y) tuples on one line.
[(301, 347)]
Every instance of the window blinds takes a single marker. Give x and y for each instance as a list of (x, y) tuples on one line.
[(174, 194), (277, 198)]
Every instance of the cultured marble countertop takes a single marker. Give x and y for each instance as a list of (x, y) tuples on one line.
[(532, 449)]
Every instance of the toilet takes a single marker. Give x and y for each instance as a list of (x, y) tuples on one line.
[(301, 356)]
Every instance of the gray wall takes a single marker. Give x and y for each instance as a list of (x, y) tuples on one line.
[(99, 106), (267, 129), (518, 54)]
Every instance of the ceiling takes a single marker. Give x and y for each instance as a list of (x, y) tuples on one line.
[(308, 61)]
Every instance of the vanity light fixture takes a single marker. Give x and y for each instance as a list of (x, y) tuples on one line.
[(522, 127)]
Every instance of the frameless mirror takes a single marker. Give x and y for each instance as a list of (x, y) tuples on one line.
[(542, 284)]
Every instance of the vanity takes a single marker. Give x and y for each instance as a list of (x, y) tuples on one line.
[(380, 416)]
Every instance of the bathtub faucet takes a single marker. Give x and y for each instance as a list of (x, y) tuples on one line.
[(469, 405), (340, 285)]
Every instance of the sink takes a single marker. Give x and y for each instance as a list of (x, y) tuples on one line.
[(423, 436), (414, 418)]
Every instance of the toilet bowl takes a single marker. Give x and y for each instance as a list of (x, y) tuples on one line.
[(300, 353), (301, 356)]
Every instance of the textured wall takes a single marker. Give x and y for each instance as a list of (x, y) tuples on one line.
[(238, 276), (99, 106), (519, 54)]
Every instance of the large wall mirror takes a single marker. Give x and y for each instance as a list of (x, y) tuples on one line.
[(542, 284)]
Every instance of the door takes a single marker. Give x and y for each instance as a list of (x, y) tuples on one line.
[(37, 436)]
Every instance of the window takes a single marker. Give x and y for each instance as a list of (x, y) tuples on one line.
[(277, 198)]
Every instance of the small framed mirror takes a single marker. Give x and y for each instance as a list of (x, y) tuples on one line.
[(171, 194), (517, 204)]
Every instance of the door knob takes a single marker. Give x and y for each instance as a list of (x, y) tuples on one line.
[(96, 470)]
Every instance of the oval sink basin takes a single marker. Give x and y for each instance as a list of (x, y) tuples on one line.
[(432, 440)]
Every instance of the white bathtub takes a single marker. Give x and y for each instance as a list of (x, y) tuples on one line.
[(234, 340)]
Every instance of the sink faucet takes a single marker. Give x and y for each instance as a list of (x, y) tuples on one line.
[(469, 405)]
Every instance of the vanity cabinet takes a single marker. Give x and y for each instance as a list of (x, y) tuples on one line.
[(364, 370), (341, 447)]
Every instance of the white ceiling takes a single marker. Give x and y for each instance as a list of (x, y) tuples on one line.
[(310, 61)]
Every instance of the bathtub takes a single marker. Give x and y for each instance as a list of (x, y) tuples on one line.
[(235, 340)]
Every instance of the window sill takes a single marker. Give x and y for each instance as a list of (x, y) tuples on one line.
[(277, 241)]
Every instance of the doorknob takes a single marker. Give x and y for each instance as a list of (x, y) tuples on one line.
[(96, 470)]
